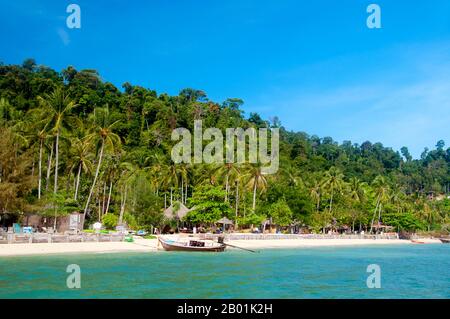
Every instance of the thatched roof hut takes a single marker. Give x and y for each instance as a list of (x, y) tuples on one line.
[(176, 211), (224, 221)]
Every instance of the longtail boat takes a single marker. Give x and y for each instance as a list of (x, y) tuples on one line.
[(191, 245), (445, 240)]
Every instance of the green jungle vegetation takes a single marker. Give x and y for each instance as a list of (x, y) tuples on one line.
[(73, 142)]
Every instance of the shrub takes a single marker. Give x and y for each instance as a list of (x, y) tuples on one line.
[(110, 221)]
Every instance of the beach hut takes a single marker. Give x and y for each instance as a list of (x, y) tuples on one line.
[(382, 228), (176, 211), (225, 222)]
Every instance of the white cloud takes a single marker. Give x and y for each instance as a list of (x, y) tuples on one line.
[(406, 105), (64, 36)]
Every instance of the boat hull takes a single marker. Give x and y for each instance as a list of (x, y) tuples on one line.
[(177, 247)]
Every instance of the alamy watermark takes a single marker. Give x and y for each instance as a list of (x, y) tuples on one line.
[(374, 279), (73, 21), (258, 145), (74, 279), (374, 19)]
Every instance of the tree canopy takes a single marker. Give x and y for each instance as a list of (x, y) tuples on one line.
[(72, 140)]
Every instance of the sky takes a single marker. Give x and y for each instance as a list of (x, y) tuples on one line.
[(313, 64)]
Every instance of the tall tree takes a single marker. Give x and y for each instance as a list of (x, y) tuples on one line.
[(103, 136), (255, 180), (58, 106), (333, 182)]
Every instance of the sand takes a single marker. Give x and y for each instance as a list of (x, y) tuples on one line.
[(140, 245), (150, 245), (294, 243)]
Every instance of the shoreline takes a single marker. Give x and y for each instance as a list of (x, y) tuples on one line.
[(150, 245)]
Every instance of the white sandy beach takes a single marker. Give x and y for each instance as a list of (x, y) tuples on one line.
[(150, 245), (69, 248), (298, 243)]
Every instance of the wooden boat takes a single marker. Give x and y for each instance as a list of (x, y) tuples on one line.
[(445, 240), (417, 241), (191, 245)]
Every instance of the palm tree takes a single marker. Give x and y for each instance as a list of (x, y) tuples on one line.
[(333, 182), (172, 178), (58, 106), (155, 165), (104, 135), (256, 180), (127, 171), (397, 198), (38, 133), (357, 195), (316, 193), (81, 157), (382, 192), (230, 172)]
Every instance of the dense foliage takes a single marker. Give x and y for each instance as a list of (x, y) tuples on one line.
[(69, 140)]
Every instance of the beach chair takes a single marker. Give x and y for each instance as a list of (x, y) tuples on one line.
[(16, 228)]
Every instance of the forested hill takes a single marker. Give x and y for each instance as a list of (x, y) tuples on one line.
[(73, 140)]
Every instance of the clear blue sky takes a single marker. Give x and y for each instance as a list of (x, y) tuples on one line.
[(314, 64)]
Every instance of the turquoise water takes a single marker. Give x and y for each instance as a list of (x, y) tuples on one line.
[(413, 271)]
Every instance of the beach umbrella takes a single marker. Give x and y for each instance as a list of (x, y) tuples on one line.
[(224, 221)]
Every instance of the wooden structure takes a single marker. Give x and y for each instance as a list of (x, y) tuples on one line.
[(225, 222), (72, 222), (171, 213), (12, 238)]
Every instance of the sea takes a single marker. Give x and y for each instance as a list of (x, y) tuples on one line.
[(388, 271)]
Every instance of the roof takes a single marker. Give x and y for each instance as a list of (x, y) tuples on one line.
[(382, 226), (224, 221), (182, 211)]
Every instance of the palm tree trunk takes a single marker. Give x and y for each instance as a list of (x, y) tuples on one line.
[(318, 203), (99, 201), (49, 166), (95, 178), (32, 167), (226, 189), (55, 188), (104, 198), (331, 200), (182, 190), (109, 197), (374, 213), (40, 168), (237, 205), (54, 222), (254, 196), (77, 182), (122, 206)]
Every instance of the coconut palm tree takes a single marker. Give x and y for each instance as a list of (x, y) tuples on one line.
[(357, 195), (316, 193), (102, 135), (81, 156), (256, 179), (127, 172), (382, 193), (38, 133), (58, 106), (333, 182), (229, 172), (155, 165)]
